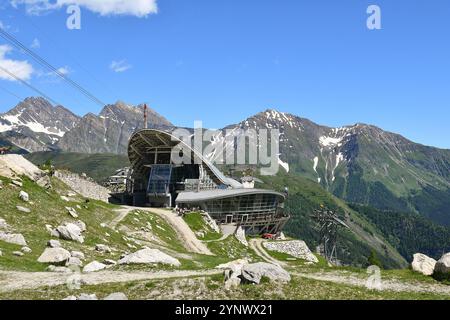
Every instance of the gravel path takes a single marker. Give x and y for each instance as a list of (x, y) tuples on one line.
[(386, 284), (184, 232), (11, 280)]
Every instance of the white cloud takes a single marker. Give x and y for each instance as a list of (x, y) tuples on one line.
[(138, 8), (120, 66), (36, 44), (21, 69), (64, 70)]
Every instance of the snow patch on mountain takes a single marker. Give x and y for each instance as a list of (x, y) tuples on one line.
[(315, 164)]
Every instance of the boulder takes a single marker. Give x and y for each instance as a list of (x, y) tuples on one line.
[(149, 256), (24, 196), (81, 225), (295, 248), (74, 262), (102, 248), (70, 298), (54, 256), (109, 262), (73, 213), (17, 183), (26, 250), (70, 232), (116, 296), (1, 253), (443, 265), (240, 236), (423, 264), (254, 272), (64, 198), (87, 297), (18, 253), (54, 244), (13, 238), (77, 254), (94, 266), (233, 269), (23, 209)]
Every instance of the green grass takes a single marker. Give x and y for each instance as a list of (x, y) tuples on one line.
[(97, 166), (197, 224), (211, 287)]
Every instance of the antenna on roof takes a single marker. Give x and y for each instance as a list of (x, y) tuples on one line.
[(145, 116)]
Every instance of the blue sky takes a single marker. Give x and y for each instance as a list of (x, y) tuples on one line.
[(222, 61)]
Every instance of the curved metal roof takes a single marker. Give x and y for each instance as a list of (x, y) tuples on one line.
[(193, 197), (144, 139)]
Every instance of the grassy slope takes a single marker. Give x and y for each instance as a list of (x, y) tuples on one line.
[(48, 208), (97, 166)]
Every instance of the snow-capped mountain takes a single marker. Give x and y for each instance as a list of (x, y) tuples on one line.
[(36, 125), (362, 163)]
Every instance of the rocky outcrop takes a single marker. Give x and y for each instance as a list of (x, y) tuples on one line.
[(443, 265), (84, 186), (295, 248), (423, 264), (149, 256), (56, 256), (241, 271), (71, 232), (253, 273), (240, 236), (13, 238), (94, 266)]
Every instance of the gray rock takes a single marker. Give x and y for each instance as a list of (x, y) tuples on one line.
[(295, 248), (102, 248), (81, 225), (72, 212), (70, 232), (1, 253), (13, 238), (109, 262), (18, 253), (17, 183), (24, 196), (26, 250), (443, 264), (87, 297), (149, 256), (116, 296), (70, 298), (77, 254), (54, 244), (423, 264), (94, 266), (240, 236), (74, 262), (254, 272), (23, 209), (64, 198), (54, 256)]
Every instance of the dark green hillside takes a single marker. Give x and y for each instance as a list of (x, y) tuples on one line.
[(355, 245), (409, 233), (96, 166)]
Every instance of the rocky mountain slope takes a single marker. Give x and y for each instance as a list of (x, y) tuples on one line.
[(36, 125), (362, 163), (359, 163), (110, 130)]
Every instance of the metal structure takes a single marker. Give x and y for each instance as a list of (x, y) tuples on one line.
[(156, 180), (328, 224)]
